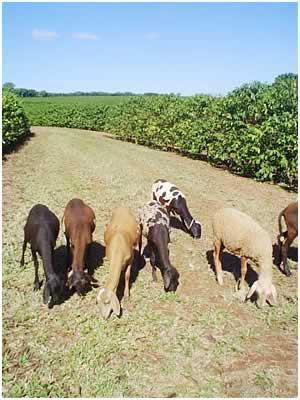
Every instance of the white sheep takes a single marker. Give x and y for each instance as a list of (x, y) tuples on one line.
[(242, 236)]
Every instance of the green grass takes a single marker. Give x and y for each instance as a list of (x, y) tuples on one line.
[(198, 342)]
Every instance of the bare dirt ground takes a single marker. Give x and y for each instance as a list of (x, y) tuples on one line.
[(201, 341)]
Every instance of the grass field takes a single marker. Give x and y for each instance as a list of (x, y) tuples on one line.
[(201, 341), (83, 100)]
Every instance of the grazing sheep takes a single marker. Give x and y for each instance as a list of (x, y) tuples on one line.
[(121, 235), (242, 236), (155, 222), (80, 222), (41, 231), (285, 239), (174, 200)]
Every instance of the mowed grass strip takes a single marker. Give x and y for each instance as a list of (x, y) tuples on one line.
[(201, 341)]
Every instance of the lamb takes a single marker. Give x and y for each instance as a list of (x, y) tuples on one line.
[(285, 239), (155, 223), (174, 200), (121, 236), (242, 236), (80, 223), (41, 231)]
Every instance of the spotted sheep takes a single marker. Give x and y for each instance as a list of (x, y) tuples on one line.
[(155, 224), (174, 200)]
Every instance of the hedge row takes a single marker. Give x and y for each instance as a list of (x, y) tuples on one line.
[(81, 116), (15, 124), (252, 131)]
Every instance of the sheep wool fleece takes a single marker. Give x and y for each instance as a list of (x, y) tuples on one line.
[(165, 192), (153, 213)]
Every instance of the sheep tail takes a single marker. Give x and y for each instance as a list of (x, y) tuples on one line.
[(61, 224)]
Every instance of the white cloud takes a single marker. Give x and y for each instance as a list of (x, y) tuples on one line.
[(85, 36), (42, 34)]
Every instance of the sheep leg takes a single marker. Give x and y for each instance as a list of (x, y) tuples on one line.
[(36, 283), (241, 281), (152, 262), (88, 260), (284, 252), (23, 252), (127, 279), (217, 259), (68, 252)]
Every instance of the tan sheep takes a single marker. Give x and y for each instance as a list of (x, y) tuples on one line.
[(121, 235), (242, 236)]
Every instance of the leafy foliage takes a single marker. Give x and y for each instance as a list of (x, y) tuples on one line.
[(15, 124), (85, 116), (252, 131)]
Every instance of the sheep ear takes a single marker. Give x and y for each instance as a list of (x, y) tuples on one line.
[(167, 281), (98, 298), (272, 298), (115, 304), (252, 289), (46, 294)]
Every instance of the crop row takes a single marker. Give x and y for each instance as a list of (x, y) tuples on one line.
[(252, 131)]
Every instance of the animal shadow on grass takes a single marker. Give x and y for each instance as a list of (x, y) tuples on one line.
[(95, 257), (136, 266), (232, 264), (96, 253), (60, 268)]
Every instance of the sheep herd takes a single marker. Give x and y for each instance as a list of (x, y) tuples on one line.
[(232, 230)]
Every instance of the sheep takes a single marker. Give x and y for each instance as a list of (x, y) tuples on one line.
[(121, 236), (285, 239), (80, 223), (174, 200), (155, 223), (242, 236), (41, 231)]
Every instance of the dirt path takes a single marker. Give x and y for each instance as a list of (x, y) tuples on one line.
[(200, 341)]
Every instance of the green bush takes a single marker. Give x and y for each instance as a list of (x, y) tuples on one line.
[(81, 116), (252, 131), (15, 124)]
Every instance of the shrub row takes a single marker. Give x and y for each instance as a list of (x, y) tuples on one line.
[(15, 124), (81, 116), (252, 131)]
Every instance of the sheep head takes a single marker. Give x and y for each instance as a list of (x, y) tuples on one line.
[(80, 281), (108, 302), (170, 278), (264, 293), (196, 230)]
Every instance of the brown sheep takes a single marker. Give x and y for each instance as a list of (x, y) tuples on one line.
[(285, 239), (80, 223)]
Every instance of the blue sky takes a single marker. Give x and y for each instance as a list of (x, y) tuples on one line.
[(159, 47)]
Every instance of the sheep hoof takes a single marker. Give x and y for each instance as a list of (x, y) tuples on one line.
[(240, 287), (36, 286)]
